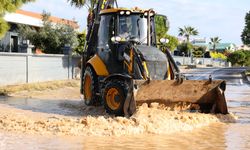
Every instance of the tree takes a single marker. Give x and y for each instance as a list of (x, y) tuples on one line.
[(50, 38), (161, 26), (245, 36), (8, 6), (247, 58), (237, 57), (4, 27), (214, 42), (81, 38), (171, 45), (89, 4), (188, 31)]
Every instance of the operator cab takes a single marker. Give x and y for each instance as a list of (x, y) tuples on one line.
[(123, 25)]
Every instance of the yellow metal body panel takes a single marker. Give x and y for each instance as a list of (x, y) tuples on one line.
[(99, 66), (131, 62), (146, 69), (169, 73), (115, 10)]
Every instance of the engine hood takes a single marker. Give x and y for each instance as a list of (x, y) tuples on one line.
[(152, 53), (156, 60)]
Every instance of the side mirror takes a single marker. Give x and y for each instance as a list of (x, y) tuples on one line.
[(164, 41)]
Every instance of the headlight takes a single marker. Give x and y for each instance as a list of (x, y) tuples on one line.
[(116, 39), (128, 12), (122, 12)]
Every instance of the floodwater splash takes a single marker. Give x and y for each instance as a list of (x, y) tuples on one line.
[(153, 119)]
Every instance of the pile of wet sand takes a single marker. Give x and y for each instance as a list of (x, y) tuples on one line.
[(84, 120), (95, 122)]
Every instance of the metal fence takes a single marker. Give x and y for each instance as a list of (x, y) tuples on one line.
[(16, 68)]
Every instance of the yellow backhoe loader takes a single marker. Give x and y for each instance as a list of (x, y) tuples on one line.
[(122, 66)]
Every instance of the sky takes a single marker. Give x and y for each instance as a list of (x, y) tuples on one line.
[(223, 18)]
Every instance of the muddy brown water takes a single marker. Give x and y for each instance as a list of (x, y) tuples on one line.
[(214, 136)]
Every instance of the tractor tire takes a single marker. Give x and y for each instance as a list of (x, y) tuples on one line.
[(90, 87), (114, 97)]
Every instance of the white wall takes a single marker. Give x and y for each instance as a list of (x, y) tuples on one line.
[(18, 68)]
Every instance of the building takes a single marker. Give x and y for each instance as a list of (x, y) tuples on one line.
[(11, 42), (200, 42), (222, 47), (244, 47)]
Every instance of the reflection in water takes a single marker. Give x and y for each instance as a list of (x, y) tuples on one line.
[(238, 136), (196, 139), (216, 136), (187, 140)]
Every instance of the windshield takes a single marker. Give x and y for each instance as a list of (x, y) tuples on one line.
[(133, 26)]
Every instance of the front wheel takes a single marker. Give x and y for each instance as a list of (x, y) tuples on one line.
[(114, 96)]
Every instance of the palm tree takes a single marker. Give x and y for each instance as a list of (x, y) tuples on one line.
[(214, 42), (188, 31), (89, 4)]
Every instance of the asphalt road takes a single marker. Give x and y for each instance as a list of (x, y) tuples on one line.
[(233, 76)]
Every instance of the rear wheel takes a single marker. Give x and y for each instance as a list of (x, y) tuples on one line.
[(90, 85), (114, 97)]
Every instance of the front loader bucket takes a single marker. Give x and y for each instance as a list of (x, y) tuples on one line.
[(201, 95)]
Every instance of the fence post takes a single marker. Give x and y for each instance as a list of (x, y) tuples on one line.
[(67, 50), (29, 53), (70, 67), (27, 68)]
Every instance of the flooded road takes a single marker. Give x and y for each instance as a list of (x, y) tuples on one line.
[(214, 136)]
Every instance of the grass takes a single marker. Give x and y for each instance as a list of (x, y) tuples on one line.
[(41, 86)]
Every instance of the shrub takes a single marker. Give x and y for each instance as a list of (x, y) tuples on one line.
[(237, 57), (185, 48), (216, 55), (198, 51)]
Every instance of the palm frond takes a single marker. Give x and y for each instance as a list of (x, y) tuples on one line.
[(188, 31), (78, 3)]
